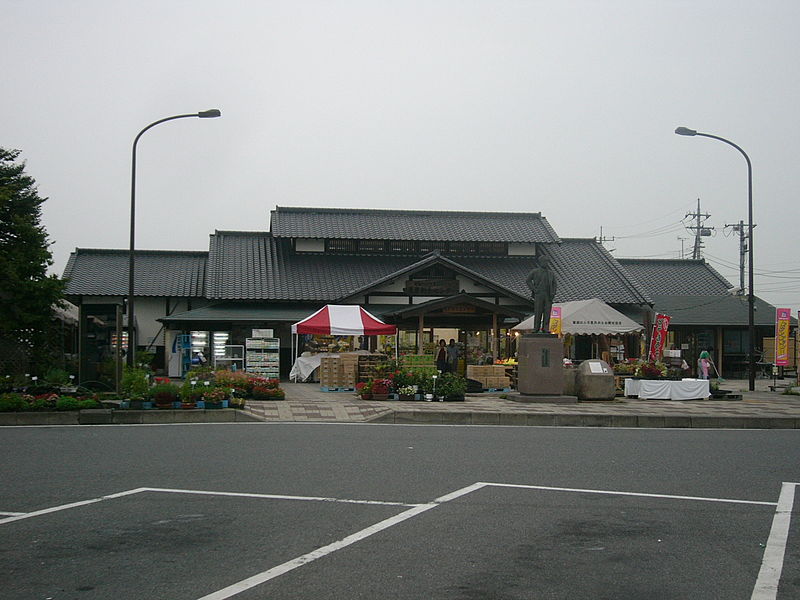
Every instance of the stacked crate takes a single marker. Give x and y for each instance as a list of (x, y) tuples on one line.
[(492, 377), (330, 372), (338, 372), (349, 366)]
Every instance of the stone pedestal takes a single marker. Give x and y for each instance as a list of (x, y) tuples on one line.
[(540, 365)]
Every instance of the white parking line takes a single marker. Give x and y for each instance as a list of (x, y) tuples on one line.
[(280, 497), (637, 494), (772, 565), (274, 572), (53, 509), (10, 514)]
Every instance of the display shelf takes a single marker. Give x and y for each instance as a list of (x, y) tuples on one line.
[(262, 357)]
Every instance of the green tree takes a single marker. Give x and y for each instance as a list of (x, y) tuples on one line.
[(27, 293)]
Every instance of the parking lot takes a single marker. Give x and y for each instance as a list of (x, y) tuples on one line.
[(376, 511)]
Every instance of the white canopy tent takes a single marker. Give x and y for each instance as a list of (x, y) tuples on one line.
[(589, 317)]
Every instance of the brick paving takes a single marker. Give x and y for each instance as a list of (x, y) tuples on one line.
[(305, 402)]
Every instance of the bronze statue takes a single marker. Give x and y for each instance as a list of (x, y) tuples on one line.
[(542, 283)]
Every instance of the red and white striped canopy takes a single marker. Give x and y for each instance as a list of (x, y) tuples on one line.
[(334, 319)]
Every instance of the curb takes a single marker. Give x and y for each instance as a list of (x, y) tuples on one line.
[(109, 416), (586, 420)]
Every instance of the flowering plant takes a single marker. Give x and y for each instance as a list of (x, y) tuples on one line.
[(364, 387), (407, 390), (381, 386), (262, 392), (215, 394)]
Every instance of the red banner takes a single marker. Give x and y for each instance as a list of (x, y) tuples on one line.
[(659, 337)]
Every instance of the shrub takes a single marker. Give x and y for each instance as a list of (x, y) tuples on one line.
[(67, 403), (135, 383), (10, 402), (164, 392), (57, 377), (192, 393), (451, 385)]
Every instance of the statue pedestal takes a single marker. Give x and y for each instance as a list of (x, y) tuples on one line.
[(540, 365)]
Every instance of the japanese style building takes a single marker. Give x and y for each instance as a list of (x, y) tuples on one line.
[(432, 273)]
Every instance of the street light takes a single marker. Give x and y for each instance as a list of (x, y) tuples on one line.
[(750, 295), (205, 114)]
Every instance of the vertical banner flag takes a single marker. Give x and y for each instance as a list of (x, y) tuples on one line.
[(555, 320), (782, 316), (659, 337)]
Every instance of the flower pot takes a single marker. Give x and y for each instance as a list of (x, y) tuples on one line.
[(406, 397), (188, 404), (366, 396), (213, 405), (380, 396)]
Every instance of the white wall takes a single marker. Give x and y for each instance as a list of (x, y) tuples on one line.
[(309, 245), (521, 249)]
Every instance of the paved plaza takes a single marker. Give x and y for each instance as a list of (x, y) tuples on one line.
[(306, 402)]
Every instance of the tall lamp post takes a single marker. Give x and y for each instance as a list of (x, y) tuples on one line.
[(206, 114), (751, 329)]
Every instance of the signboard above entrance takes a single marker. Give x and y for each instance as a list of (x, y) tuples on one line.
[(460, 309), (431, 287)]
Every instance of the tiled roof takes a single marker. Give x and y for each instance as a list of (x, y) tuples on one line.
[(98, 272), (584, 270), (256, 266), (676, 277), (713, 310), (346, 223)]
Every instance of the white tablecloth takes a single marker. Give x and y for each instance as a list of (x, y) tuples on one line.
[(304, 366), (660, 389)]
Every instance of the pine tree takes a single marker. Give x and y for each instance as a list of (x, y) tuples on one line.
[(27, 293)]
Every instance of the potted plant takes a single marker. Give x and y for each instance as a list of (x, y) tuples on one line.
[(407, 392), (214, 397), (364, 389), (381, 389), (164, 395), (236, 401), (451, 387), (191, 393), (135, 386)]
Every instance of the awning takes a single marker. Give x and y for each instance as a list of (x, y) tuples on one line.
[(229, 312), (349, 319), (588, 317)]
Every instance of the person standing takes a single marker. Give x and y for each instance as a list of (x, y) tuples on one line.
[(704, 365), (441, 357), (452, 356)]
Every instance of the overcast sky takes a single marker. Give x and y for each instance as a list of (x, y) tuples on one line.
[(562, 107)]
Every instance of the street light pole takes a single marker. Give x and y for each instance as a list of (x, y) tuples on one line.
[(206, 114), (751, 328)]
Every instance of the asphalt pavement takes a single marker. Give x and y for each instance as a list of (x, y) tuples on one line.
[(333, 510)]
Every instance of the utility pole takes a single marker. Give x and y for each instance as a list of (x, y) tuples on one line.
[(744, 240), (699, 230)]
